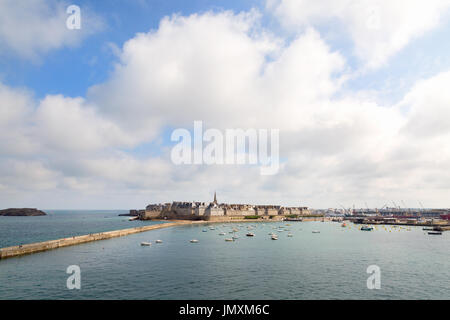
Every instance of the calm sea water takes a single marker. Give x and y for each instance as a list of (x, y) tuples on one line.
[(61, 223), (327, 265)]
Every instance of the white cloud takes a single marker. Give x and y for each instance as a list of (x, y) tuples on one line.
[(15, 109), (379, 29), (427, 104), (69, 124), (212, 67), (226, 70), (35, 27), (184, 70)]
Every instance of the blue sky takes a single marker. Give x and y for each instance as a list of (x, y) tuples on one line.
[(71, 71), (358, 103)]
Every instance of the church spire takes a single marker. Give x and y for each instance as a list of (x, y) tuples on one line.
[(215, 198)]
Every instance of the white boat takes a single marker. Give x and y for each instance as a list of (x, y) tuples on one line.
[(290, 235), (250, 234), (146, 243), (194, 241), (316, 231), (222, 234), (229, 239), (235, 237), (274, 237), (204, 230), (158, 241)]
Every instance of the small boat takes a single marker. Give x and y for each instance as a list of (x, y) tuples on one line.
[(235, 237), (204, 230), (428, 229), (146, 244), (293, 219), (290, 235), (250, 234), (158, 241), (343, 225), (229, 239), (222, 234), (133, 218), (194, 241), (435, 232), (274, 237), (315, 231), (366, 228)]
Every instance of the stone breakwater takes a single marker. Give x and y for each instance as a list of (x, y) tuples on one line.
[(20, 250)]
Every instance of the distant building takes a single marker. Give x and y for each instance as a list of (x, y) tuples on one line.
[(216, 211)]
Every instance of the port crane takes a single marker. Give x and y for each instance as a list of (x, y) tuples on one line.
[(423, 209), (396, 207), (406, 209), (368, 210), (345, 210)]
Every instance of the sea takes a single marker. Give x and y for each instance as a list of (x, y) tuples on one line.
[(334, 262)]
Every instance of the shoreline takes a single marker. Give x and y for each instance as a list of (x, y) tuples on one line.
[(20, 250)]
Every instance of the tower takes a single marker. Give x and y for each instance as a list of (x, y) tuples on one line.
[(215, 198)]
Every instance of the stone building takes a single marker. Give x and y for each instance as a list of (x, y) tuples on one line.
[(216, 211)]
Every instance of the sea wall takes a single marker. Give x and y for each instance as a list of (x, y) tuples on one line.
[(53, 244)]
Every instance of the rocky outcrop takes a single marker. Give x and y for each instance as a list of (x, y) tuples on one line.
[(23, 212)]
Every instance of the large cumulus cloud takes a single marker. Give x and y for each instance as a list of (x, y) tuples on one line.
[(228, 71)]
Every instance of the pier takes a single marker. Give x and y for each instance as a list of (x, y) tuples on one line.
[(24, 249), (20, 250)]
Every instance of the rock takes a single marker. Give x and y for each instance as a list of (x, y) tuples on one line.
[(22, 212)]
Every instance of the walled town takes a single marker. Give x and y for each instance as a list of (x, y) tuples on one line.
[(215, 211)]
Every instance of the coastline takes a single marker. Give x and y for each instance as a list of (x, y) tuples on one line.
[(20, 250)]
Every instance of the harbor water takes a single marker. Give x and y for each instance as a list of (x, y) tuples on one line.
[(331, 264)]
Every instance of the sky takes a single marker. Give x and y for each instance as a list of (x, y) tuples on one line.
[(357, 89)]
